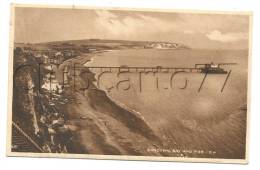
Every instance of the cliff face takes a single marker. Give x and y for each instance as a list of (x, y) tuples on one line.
[(25, 86), (165, 45)]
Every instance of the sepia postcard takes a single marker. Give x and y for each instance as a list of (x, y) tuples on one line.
[(129, 84)]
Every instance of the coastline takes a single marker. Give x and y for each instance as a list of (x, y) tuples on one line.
[(103, 126), (110, 124)]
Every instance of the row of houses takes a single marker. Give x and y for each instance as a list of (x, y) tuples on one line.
[(54, 57)]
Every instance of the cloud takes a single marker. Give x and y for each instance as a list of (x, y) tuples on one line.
[(130, 25), (227, 37), (187, 29)]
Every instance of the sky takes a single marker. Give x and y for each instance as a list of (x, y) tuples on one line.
[(203, 31)]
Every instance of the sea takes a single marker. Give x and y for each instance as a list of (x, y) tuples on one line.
[(210, 118)]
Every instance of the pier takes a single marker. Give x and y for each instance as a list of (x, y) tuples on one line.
[(136, 69)]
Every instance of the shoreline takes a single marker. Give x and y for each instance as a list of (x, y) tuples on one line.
[(96, 102), (101, 125)]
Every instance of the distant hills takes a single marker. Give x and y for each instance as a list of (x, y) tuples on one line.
[(104, 44)]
